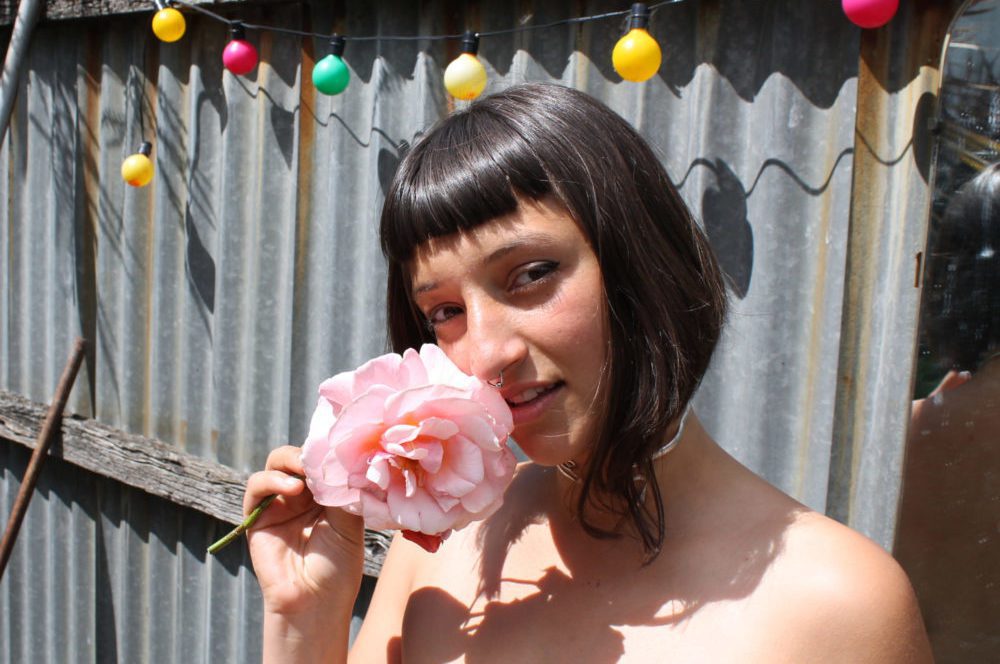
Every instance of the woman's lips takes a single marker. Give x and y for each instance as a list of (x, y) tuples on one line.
[(527, 411)]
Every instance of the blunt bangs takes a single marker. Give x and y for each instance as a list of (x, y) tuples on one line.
[(469, 171)]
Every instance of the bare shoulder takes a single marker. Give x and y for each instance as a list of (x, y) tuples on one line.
[(378, 640), (847, 596)]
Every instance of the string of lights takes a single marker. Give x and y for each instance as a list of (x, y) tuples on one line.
[(636, 56), (457, 36)]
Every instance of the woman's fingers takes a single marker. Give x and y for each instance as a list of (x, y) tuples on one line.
[(951, 380), (282, 478), (270, 482), (279, 478), (287, 458)]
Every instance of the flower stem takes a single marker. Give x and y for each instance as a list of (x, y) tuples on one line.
[(243, 527)]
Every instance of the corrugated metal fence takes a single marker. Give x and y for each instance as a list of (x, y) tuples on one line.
[(219, 296)]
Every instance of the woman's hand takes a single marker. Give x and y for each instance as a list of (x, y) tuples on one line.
[(308, 558)]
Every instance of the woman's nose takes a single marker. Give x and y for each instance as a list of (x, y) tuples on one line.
[(494, 339)]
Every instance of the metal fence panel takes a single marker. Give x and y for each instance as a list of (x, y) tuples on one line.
[(219, 296)]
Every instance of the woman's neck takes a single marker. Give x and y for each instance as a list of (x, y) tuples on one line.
[(686, 477)]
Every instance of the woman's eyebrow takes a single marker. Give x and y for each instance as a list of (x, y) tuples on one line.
[(534, 240), (424, 288)]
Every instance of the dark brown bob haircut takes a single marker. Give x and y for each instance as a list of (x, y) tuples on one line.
[(665, 296)]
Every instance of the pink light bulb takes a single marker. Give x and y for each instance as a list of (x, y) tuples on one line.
[(239, 56), (870, 13)]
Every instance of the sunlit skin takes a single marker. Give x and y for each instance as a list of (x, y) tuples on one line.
[(746, 574), (524, 295)]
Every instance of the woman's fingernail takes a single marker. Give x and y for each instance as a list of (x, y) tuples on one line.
[(292, 483)]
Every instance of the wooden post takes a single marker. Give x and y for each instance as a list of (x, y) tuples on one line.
[(45, 437)]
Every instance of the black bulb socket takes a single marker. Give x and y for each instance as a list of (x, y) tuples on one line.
[(337, 45), (470, 43), (237, 31), (639, 16), (146, 148)]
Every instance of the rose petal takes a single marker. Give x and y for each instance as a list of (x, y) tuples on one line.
[(465, 459), (355, 435), (441, 370), (394, 438), (432, 455), (430, 543), (480, 498), (345, 387), (503, 464), (418, 511), (436, 427), (378, 472), (315, 448), (337, 390), (382, 370), (447, 482), (374, 509), (353, 448), (479, 430), (412, 370), (491, 400), (412, 404)]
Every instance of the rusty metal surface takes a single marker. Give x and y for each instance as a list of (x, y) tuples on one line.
[(219, 296), (898, 83)]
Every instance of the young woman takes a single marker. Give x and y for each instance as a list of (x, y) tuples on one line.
[(538, 241)]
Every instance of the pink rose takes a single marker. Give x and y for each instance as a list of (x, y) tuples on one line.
[(410, 442)]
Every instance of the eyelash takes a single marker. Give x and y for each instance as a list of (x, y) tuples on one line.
[(548, 267)]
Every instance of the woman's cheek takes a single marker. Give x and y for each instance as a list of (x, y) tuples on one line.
[(456, 353), (577, 317)]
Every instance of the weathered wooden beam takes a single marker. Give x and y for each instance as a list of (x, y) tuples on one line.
[(148, 464), (58, 10), (144, 463)]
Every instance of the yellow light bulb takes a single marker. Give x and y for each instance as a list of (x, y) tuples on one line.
[(636, 56), (465, 77), (137, 170), (168, 24)]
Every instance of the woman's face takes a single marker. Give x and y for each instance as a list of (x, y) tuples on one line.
[(523, 294)]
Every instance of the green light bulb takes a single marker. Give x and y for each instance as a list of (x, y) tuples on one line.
[(331, 75)]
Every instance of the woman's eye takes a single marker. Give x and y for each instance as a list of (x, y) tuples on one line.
[(442, 315), (533, 272)]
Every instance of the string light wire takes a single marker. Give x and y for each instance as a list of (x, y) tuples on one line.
[(488, 33), (465, 78)]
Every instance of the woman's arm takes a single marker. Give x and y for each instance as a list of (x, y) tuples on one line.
[(380, 637), (304, 640), (308, 560)]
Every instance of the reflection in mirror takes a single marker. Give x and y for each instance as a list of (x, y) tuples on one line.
[(948, 534)]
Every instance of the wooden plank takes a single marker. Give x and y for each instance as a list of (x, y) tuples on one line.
[(148, 464), (144, 463), (58, 10)]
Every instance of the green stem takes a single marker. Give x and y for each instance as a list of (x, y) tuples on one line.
[(243, 527)]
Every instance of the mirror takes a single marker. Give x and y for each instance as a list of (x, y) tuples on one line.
[(948, 532)]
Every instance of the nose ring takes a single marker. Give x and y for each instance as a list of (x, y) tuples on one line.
[(499, 382)]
